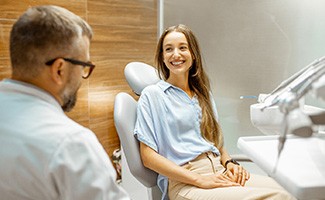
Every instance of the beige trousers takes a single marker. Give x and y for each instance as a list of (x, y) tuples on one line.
[(257, 187)]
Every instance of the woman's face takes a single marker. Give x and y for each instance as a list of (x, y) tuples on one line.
[(176, 54)]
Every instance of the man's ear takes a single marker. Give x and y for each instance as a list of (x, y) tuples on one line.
[(58, 71)]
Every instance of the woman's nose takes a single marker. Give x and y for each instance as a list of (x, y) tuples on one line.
[(176, 52)]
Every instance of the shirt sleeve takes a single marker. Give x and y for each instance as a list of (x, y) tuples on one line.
[(80, 169), (145, 127)]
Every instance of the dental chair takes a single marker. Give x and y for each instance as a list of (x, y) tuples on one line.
[(138, 75), (139, 181)]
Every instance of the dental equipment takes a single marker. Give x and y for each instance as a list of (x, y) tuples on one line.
[(286, 99)]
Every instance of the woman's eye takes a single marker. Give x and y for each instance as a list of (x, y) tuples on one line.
[(168, 49), (183, 47)]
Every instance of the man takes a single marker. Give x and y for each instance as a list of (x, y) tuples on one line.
[(43, 153)]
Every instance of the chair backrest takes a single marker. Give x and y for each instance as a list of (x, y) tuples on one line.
[(138, 75), (124, 118)]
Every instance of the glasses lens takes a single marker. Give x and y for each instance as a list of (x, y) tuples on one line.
[(86, 71)]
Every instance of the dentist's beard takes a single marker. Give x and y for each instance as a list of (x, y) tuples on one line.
[(69, 102)]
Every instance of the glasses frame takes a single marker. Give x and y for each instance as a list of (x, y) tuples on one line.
[(75, 62)]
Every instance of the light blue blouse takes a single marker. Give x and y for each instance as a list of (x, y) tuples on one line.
[(168, 121)]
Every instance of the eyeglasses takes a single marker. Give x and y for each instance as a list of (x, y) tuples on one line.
[(88, 67)]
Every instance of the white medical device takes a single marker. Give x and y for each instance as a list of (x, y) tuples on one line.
[(283, 112), (285, 119)]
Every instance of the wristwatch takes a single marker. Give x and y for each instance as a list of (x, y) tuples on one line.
[(232, 161)]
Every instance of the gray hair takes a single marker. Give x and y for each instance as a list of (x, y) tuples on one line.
[(43, 33)]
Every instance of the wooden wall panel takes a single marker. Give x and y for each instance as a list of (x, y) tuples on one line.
[(124, 31), (5, 26)]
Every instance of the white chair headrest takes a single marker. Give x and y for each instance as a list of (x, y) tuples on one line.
[(139, 75)]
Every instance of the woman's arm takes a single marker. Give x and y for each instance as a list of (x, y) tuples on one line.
[(152, 160), (224, 155)]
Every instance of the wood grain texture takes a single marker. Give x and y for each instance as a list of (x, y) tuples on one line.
[(124, 31)]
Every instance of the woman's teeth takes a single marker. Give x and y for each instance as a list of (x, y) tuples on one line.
[(177, 63)]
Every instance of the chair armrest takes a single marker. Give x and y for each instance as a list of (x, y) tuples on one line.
[(240, 158)]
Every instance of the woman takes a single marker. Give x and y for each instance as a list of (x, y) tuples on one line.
[(179, 136)]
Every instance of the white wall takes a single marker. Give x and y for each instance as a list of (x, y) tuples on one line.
[(249, 47)]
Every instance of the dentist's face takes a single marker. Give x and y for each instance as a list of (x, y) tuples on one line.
[(177, 55), (69, 94)]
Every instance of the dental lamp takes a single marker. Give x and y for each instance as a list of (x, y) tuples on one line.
[(298, 84), (320, 88), (287, 97)]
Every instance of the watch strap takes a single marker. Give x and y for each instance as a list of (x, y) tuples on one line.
[(231, 161)]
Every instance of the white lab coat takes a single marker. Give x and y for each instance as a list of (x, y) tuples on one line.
[(46, 155)]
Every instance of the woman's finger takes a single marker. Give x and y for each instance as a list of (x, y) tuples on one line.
[(230, 175), (243, 178), (226, 181)]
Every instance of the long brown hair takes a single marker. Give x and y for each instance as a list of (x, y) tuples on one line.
[(198, 82)]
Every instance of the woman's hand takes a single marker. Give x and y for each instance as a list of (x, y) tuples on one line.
[(237, 173), (214, 181)]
